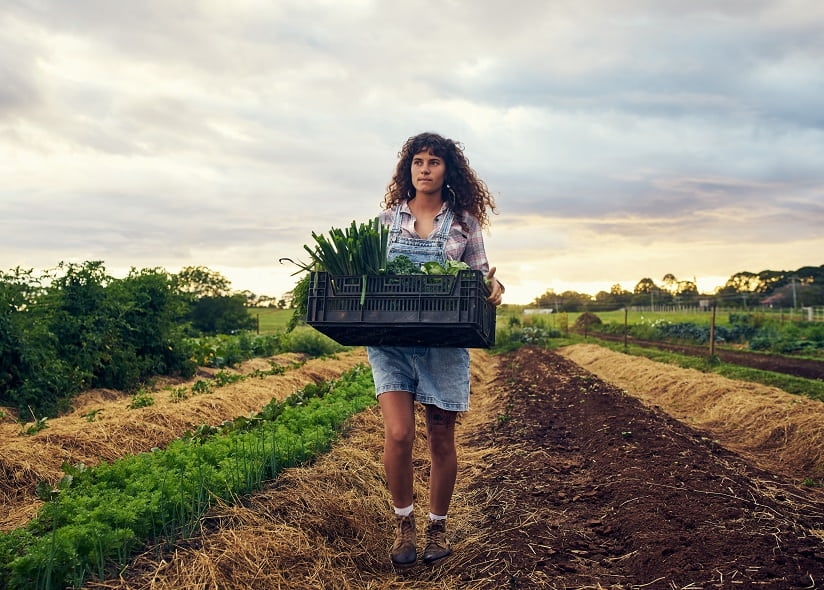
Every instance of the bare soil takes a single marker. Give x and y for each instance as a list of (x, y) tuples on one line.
[(609, 492)]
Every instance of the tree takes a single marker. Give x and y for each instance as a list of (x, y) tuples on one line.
[(85, 321), (646, 292), (603, 300), (644, 286), (566, 301), (743, 282), (221, 315), (14, 299), (670, 283), (548, 300), (620, 296), (616, 298), (152, 340), (199, 281), (772, 280), (687, 292), (573, 301)]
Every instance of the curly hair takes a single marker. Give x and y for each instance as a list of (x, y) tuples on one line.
[(463, 191)]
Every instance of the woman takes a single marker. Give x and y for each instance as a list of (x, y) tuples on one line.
[(436, 208)]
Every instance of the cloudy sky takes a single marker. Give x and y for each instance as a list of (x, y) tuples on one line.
[(622, 140)]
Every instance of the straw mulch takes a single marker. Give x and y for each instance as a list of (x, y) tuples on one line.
[(116, 430), (781, 432), (326, 525), (564, 482)]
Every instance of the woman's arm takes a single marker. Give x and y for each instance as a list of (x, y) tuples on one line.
[(475, 256)]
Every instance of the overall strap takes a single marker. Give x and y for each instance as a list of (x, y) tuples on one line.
[(395, 228), (396, 220), (446, 224)]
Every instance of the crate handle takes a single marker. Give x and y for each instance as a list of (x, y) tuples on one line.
[(363, 290)]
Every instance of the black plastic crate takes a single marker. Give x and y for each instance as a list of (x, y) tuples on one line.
[(403, 310)]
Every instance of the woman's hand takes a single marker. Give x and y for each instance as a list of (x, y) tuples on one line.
[(497, 288)]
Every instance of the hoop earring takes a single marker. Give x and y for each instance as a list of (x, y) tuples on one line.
[(452, 192)]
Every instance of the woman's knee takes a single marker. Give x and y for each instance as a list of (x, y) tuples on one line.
[(399, 434), (398, 412), (440, 430)]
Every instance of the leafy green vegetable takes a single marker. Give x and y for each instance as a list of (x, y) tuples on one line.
[(450, 267), (402, 265)]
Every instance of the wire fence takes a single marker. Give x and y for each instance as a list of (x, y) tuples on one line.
[(789, 314)]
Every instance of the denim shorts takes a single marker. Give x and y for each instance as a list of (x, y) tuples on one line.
[(434, 376)]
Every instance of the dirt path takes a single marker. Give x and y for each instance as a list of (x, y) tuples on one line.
[(780, 432), (601, 491), (565, 482)]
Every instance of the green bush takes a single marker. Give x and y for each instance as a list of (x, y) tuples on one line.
[(77, 328), (226, 350), (507, 339), (222, 314), (310, 341), (141, 399)]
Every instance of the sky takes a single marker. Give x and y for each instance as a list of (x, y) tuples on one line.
[(661, 137)]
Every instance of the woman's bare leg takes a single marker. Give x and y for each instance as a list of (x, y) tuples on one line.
[(440, 429), (398, 412)]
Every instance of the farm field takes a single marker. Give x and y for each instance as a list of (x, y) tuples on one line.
[(584, 468), (103, 427), (270, 320), (788, 365)]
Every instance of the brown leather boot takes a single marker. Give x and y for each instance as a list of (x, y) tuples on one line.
[(404, 552), (437, 545)]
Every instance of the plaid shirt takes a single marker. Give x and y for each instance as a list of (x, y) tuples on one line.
[(460, 245)]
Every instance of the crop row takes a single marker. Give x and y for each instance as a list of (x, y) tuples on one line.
[(752, 330), (98, 517)]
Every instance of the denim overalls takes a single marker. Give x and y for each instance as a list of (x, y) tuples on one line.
[(417, 249), (436, 376)]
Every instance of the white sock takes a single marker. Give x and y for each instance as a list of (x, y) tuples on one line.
[(436, 517), (405, 511)]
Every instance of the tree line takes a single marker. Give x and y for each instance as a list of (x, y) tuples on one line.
[(76, 327), (803, 287)]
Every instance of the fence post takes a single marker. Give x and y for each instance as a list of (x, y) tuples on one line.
[(712, 332), (626, 312)]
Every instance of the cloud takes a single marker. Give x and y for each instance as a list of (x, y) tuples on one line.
[(223, 134)]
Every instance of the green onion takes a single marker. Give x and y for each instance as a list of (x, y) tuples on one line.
[(360, 249)]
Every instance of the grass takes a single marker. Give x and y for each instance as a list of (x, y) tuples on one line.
[(722, 316), (674, 317), (271, 320), (559, 320)]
